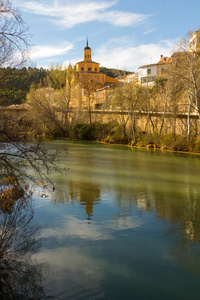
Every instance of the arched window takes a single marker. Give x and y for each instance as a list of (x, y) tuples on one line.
[(82, 69), (95, 69), (89, 69)]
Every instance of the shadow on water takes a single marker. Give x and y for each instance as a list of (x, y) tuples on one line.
[(20, 277)]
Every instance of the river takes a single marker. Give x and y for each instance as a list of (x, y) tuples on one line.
[(122, 223)]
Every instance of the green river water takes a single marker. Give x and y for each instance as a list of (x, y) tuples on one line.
[(122, 224)]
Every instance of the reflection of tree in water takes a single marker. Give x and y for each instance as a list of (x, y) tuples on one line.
[(87, 194), (184, 215), (180, 209), (19, 277), (68, 194), (129, 198)]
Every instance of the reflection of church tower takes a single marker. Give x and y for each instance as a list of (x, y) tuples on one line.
[(89, 197)]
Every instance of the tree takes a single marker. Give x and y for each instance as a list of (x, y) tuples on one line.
[(49, 109), (19, 278), (24, 161), (56, 77), (19, 151), (23, 164), (13, 35), (120, 98), (70, 83), (114, 72), (88, 87), (186, 69), (132, 93), (161, 93)]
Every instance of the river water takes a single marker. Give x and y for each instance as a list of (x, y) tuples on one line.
[(122, 223)]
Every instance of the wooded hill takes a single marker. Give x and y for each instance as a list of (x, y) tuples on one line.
[(113, 72), (15, 83)]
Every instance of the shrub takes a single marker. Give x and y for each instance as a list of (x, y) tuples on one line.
[(117, 135), (197, 145), (144, 139), (85, 131), (55, 133)]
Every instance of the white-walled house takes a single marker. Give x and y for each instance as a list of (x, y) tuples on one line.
[(148, 73)]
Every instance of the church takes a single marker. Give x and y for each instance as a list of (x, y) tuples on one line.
[(90, 82), (90, 69)]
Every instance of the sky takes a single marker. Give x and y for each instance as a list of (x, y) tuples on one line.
[(122, 34)]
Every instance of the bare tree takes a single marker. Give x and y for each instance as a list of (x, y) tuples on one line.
[(13, 36), (23, 162), (88, 87), (20, 277), (49, 108), (186, 69)]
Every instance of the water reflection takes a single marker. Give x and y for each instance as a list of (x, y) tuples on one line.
[(144, 211), (20, 276), (150, 183), (87, 194)]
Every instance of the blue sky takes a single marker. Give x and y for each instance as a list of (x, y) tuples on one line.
[(122, 34)]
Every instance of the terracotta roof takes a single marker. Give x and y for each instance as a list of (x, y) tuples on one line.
[(165, 60)]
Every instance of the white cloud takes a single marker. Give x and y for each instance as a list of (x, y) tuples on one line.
[(45, 51), (130, 57), (81, 229), (150, 30), (122, 19), (69, 15), (116, 53)]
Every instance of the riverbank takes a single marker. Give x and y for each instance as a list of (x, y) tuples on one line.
[(114, 133), (149, 148)]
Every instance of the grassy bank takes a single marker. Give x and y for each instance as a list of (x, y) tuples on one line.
[(114, 133)]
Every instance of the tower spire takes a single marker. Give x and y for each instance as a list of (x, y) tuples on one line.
[(87, 51)]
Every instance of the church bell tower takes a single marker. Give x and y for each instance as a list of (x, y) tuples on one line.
[(87, 52)]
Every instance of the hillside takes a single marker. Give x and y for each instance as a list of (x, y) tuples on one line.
[(113, 72)]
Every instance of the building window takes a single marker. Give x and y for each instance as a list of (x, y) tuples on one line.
[(143, 79), (95, 69), (89, 69), (148, 71), (147, 79), (82, 69), (150, 78), (162, 71)]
